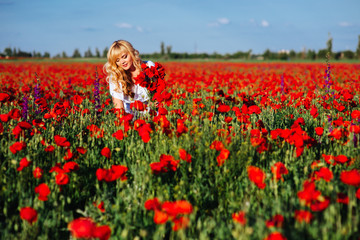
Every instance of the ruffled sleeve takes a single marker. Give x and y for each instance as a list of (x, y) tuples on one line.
[(117, 95), (150, 63)]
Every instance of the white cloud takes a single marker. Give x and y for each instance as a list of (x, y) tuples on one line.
[(219, 22), (223, 21), (344, 24), (123, 25), (264, 23), (139, 29)]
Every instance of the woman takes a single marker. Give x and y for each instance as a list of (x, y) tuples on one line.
[(123, 65)]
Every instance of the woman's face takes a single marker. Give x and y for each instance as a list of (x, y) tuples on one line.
[(125, 61)]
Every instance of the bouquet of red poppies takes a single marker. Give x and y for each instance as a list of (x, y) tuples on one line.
[(152, 78)]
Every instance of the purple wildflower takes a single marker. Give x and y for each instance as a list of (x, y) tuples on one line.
[(282, 83), (37, 94), (328, 76), (25, 108), (329, 121), (97, 94)]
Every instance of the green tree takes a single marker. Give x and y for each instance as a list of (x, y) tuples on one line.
[(267, 54), (36, 54), (8, 52), (311, 54), (88, 53), (168, 50), (64, 55), (249, 54), (97, 53), (348, 54), (329, 44), (105, 52), (322, 53), (292, 54), (46, 55), (162, 48), (76, 53)]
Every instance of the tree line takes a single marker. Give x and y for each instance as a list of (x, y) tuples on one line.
[(167, 53)]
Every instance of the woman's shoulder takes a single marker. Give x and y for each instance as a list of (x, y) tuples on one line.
[(149, 63)]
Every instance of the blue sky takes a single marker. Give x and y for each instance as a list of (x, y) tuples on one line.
[(188, 25)]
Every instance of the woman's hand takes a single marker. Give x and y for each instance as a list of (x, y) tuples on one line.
[(118, 103)]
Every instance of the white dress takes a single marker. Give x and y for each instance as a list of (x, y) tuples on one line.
[(141, 94)]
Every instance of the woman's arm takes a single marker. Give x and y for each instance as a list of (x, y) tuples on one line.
[(118, 103)]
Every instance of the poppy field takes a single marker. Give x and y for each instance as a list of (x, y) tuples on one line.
[(232, 151)]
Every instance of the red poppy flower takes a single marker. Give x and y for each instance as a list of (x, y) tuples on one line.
[(77, 99), (180, 223), (358, 193), (70, 166), (184, 155), (112, 174), (224, 154), (137, 105), (29, 214), (278, 170), (49, 148), (4, 97), (342, 198), (17, 147), (57, 168), (102, 232), (177, 207), (24, 125), (303, 216), (81, 150), (143, 129), (239, 217), (324, 173), (4, 117), (309, 192), (228, 119), (119, 135), (223, 108), (257, 176), (15, 114), (336, 133), (275, 221), (82, 228), (62, 179), (319, 131), (38, 172), (61, 141), (355, 129), (275, 236), (152, 204), (43, 190), (341, 159), (355, 114), (314, 112), (320, 205), (100, 206), (68, 155), (351, 177), (254, 109), (23, 163), (216, 144), (119, 172), (160, 217), (106, 152)]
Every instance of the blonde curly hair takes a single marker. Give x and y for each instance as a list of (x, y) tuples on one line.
[(116, 74)]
